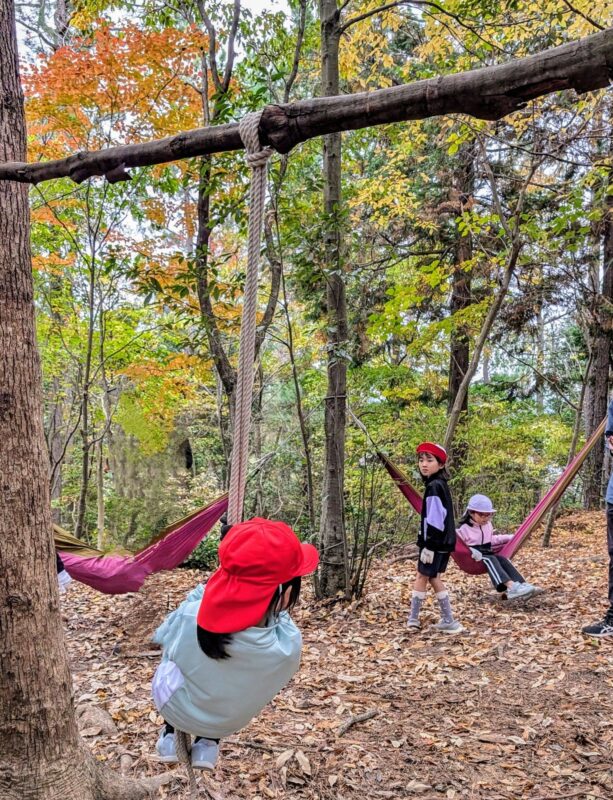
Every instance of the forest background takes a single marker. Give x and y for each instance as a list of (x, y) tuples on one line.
[(474, 260)]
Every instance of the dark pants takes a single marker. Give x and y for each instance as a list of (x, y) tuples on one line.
[(499, 568), (610, 548)]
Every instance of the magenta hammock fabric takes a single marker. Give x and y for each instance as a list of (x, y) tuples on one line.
[(121, 574), (462, 555)]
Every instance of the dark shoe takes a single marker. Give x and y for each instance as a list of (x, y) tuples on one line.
[(604, 628)]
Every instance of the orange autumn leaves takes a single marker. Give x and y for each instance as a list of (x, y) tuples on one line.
[(114, 87)]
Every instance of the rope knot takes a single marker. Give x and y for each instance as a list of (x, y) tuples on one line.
[(248, 127), (260, 158)]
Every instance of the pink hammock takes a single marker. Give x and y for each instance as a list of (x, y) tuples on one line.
[(121, 574), (462, 555)]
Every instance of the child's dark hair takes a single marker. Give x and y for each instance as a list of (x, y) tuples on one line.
[(465, 518), (214, 645), (225, 528)]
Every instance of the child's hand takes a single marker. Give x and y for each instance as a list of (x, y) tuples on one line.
[(426, 556), (477, 556)]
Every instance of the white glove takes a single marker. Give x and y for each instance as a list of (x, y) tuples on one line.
[(426, 556), (477, 556)]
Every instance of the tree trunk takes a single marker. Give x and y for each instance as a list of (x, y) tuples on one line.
[(275, 259), (456, 409), (333, 576), (546, 541), (100, 493), (56, 443), (461, 291), (42, 757), (79, 528), (600, 348)]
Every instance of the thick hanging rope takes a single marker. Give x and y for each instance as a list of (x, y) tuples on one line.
[(183, 743), (257, 158)]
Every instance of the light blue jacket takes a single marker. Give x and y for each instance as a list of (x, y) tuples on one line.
[(215, 698), (609, 432)]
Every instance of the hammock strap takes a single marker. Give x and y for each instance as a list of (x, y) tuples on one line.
[(554, 494), (257, 158)]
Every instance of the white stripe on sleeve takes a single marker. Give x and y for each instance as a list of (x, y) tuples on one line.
[(435, 514)]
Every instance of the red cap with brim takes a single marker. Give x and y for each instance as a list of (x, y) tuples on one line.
[(256, 556), (435, 450)]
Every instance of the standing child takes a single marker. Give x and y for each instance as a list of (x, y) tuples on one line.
[(229, 649), (477, 533), (436, 538)]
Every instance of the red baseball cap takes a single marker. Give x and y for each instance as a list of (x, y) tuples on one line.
[(434, 449), (255, 557)]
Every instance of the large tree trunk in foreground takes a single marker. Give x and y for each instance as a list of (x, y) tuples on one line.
[(333, 576), (41, 754)]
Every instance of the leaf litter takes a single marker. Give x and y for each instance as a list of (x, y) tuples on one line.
[(520, 705)]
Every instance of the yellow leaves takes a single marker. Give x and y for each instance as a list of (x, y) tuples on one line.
[(155, 211)]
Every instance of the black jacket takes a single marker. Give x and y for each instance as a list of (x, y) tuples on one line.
[(437, 528)]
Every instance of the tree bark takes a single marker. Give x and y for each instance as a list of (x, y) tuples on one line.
[(41, 755), (334, 566), (79, 528), (602, 330), (486, 93), (459, 358)]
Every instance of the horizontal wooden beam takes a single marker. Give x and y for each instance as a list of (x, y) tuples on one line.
[(486, 93)]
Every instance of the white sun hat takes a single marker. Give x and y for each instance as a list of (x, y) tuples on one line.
[(481, 503)]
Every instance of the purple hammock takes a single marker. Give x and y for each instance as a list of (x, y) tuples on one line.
[(462, 555), (117, 574)]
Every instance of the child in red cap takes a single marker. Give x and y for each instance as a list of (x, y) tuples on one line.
[(229, 649), (436, 538)]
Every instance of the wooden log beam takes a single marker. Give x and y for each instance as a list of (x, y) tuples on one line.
[(486, 93)]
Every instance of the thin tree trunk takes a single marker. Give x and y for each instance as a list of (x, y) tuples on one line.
[(461, 291), (515, 243), (334, 577), (56, 449), (276, 260), (100, 493), (456, 410), (601, 349), (571, 454), (85, 432)]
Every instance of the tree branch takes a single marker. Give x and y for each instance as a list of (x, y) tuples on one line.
[(212, 44), (584, 15), (487, 93), (231, 41)]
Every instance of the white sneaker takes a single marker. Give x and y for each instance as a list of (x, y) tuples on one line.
[(449, 627), (204, 754), (520, 590), (167, 748)]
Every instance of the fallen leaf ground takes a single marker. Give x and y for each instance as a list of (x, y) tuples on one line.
[(519, 706)]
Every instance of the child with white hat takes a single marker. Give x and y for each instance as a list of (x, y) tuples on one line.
[(477, 533)]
